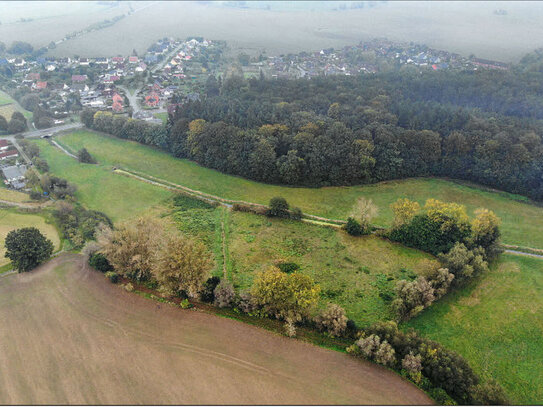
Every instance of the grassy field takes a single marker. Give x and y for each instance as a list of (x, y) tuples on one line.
[(521, 222), (357, 273), (74, 325), (11, 220), (100, 189), (162, 116), (8, 106), (13, 196), (5, 99), (496, 324)]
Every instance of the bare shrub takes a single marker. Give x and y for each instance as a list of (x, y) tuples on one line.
[(333, 320)]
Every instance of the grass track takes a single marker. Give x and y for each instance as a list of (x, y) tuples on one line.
[(100, 189), (496, 323), (521, 222)]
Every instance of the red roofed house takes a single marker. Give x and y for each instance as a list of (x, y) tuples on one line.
[(41, 85), (4, 145), (8, 154), (117, 60), (152, 100), (133, 60), (117, 103), (79, 78)]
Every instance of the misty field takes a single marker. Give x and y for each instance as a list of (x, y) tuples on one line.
[(521, 222), (71, 337), (453, 26), (496, 324)]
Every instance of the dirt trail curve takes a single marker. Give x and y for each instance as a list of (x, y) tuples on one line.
[(64, 325), (24, 205), (217, 199)]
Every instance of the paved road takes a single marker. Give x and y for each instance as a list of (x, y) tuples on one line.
[(38, 133), (132, 99)]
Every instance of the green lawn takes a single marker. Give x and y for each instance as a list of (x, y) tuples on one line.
[(8, 106), (521, 222), (10, 220), (357, 273), (162, 116), (100, 189), (5, 99), (497, 325)]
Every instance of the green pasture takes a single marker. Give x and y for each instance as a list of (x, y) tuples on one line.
[(496, 323), (100, 189), (522, 222)]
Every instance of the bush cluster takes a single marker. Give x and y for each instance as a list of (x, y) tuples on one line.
[(78, 224), (384, 343)]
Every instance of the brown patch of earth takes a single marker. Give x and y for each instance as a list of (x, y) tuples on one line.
[(70, 337)]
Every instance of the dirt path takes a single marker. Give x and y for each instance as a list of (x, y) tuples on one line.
[(70, 337), (63, 149), (223, 241), (312, 219)]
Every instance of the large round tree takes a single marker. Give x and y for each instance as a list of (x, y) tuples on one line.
[(27, 248)]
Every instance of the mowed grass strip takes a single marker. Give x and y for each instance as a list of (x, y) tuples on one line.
[(522, 222), (11, 220), (497, 324), (100, 189), (357, 273), (13, 196)]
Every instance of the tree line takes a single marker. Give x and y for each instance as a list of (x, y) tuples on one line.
[(353, 130)]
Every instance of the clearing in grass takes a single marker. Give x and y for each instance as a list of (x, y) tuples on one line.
[(496, 324), (521, 221), (357, 273)]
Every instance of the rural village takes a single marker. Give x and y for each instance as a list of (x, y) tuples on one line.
[(381, 202)]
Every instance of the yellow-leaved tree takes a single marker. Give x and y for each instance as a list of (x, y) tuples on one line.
[(291, 297), (131, 248), (404, 210), (181, 265)]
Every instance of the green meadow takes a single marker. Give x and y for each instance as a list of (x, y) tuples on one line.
[(102, 190), (496, 323), (522, 221)]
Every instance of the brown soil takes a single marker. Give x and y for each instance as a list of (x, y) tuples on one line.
[(68, 336)]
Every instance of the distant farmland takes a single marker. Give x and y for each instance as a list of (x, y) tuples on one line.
[(453, 26)]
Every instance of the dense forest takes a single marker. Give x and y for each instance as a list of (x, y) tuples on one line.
[(481, 126)]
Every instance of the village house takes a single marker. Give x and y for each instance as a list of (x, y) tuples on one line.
[(79, 78), (4, 145), (14, 175), (4, 155)]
